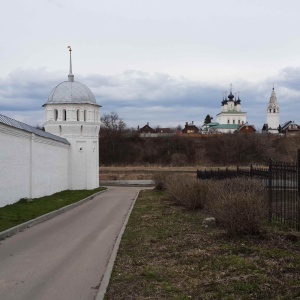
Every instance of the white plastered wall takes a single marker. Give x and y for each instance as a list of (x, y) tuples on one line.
[(273, 120), (233, 118), (83, 135), (31, 166), (84, 169)]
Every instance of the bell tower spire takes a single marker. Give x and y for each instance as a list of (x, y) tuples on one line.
[(70, 76), (273, 113)]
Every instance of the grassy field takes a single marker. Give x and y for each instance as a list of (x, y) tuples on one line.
[(22, 211), (141, 172), (146, 172), (166, 253)]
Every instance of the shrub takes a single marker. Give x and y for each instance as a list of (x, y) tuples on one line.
[(178, 160), (160, 181), (239, 205), (187, 191), (238, 149)]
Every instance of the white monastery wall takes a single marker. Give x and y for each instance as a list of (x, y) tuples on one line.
[(15, 164), (80, 126), (49, 167), (84, 170), (31, 166)]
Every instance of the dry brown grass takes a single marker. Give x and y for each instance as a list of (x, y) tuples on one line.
[(141, 172), (239, 204), (148, 172), (188, 192), (166, 253)]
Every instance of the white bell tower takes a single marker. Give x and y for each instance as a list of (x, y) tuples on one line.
[(273, 113), (73, 113)]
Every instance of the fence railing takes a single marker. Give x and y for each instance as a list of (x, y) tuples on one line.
[(282, 181), (223, 173), (283, 187)]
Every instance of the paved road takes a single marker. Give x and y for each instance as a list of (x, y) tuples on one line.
[(65, 257)]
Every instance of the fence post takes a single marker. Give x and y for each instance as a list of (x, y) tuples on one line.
[(270, 190)]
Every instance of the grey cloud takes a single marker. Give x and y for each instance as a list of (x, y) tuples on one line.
[(289, 78), (56, 3), (134, 88), (139, 97), (26, 90)]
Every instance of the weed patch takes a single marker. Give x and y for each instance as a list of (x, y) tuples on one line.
[(239, 205), (190, 193)]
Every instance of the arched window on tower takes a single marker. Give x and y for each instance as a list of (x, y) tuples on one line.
[(78, 115), (270, 110), (228, 121), (274, 110), (84, 115), (233, 121), (239, 121), (64, 115), (55, 112)]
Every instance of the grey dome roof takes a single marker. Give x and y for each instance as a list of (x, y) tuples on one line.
[(72, 92)]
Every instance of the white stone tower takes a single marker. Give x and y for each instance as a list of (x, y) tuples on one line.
[(73, 113), (273, 113)]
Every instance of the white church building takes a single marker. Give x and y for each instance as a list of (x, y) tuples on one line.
[(231, 117), (35, 163)]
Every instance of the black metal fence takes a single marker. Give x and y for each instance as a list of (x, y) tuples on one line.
[(283, 187), (223, 173), (282, 181)]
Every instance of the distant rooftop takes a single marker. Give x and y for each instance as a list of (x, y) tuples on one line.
[(28, 128)]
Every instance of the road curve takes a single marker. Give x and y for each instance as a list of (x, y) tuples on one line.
[(65, 257)]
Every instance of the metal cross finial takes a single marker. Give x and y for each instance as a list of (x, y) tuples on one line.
[(230, 88), (70, 76)]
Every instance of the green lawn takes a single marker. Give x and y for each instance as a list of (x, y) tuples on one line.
[(22, 211), (166, 253)]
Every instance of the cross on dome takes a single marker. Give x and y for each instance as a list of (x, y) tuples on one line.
[(230, 96), (70, 76)]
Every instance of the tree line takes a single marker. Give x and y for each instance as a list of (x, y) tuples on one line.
[(120, 145)]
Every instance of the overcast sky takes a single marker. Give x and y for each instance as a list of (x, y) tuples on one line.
[(159, 61)]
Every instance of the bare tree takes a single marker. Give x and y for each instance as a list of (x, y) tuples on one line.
[(112, 138), (112, 123)]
